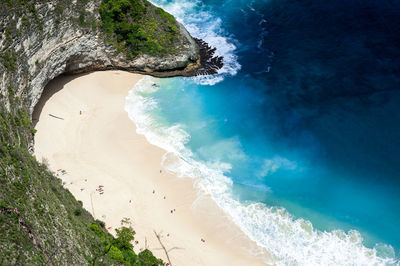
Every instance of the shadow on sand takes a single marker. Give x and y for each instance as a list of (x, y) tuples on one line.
[(50, 89)]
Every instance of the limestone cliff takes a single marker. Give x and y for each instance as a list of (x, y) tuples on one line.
[(42, 42)]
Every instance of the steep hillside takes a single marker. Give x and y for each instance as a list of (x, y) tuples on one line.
[(40, 221)]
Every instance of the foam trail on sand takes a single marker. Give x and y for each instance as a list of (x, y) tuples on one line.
[(203, 25), (290, 241)]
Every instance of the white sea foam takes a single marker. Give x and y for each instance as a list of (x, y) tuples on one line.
[(203, 25), (290, 241)]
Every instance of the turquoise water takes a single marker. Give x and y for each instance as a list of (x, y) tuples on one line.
[(297, 137)]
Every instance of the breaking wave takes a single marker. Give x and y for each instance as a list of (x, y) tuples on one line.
[(289, 241), (203, 25)]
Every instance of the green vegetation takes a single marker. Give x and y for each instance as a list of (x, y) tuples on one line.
[(26, 7), (135, 26), (40, 221), (120, 248), (77, 212), (9, 59)]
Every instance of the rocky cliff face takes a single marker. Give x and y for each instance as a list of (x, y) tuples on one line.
[(48, 42)]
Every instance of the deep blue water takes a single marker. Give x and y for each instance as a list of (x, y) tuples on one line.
[(307, 116)]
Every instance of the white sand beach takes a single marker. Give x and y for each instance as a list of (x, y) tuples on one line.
[(91, 138)]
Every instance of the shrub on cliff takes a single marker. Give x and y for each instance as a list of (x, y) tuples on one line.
[(120, 249), (147, 258), (135, 26)]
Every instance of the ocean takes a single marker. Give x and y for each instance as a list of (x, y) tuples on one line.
[(297, 137)]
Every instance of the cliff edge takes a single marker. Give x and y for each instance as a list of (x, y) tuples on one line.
[(43, 39)]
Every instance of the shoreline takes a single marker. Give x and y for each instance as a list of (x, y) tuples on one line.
[(100, 147)]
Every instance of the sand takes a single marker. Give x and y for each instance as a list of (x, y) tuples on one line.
[(83, 129)]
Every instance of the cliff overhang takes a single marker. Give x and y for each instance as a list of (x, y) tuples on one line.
[(55, 45)]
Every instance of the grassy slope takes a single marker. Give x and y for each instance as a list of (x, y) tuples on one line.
[(136, 26)]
